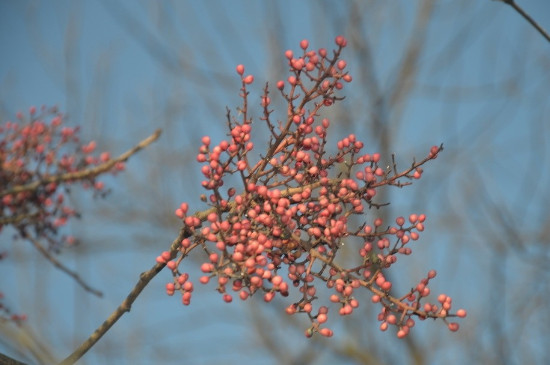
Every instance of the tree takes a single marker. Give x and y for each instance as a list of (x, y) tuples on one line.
[(285, 223), (467, 101)]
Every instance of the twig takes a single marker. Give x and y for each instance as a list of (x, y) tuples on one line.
[(59, 265), (517, 8)]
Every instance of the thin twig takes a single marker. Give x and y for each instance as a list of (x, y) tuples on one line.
[(58, 264), (517, 8)]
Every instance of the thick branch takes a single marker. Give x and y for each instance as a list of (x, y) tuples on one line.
[(6, 360)]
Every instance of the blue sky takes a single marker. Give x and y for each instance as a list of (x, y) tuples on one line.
[(122, 69)]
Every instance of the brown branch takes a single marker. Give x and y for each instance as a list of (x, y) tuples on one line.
[(147, 276), (517, 8), (18, 218), (91, 172), (126, 305), (6, 360), (58, 264)]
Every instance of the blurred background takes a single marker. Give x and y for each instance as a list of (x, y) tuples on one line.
[(470, 74)]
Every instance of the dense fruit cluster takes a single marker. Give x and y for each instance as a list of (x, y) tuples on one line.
[(39, 159), (284, 224)]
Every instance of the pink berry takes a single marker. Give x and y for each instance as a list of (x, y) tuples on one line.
[(291, 309), (461, 313), (304, 44), (277, 280), (105, 156), (241, 165), (240, 69), (402, 333), (453, 326), (186, 298), (341, 41)]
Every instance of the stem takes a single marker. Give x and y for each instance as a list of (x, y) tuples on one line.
[(126, 305), (58, 264), (517, 8), (79, 175)]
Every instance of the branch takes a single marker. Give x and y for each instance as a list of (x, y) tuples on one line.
[(6, 360), (126, 305), (517, 8), (59, 265), (91, 172)]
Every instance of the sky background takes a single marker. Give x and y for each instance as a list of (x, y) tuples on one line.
[(121, 69)]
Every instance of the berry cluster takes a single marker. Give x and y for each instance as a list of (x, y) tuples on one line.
[(284, 223), (39, 159)]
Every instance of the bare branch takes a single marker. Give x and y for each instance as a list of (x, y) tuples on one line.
[(58, 264), (517, 8), (126, 305)]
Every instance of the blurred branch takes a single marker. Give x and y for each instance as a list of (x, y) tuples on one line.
[(517, 8), (79, 175), (21, 342), (6, 360), (58, 264), (409, 68)]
